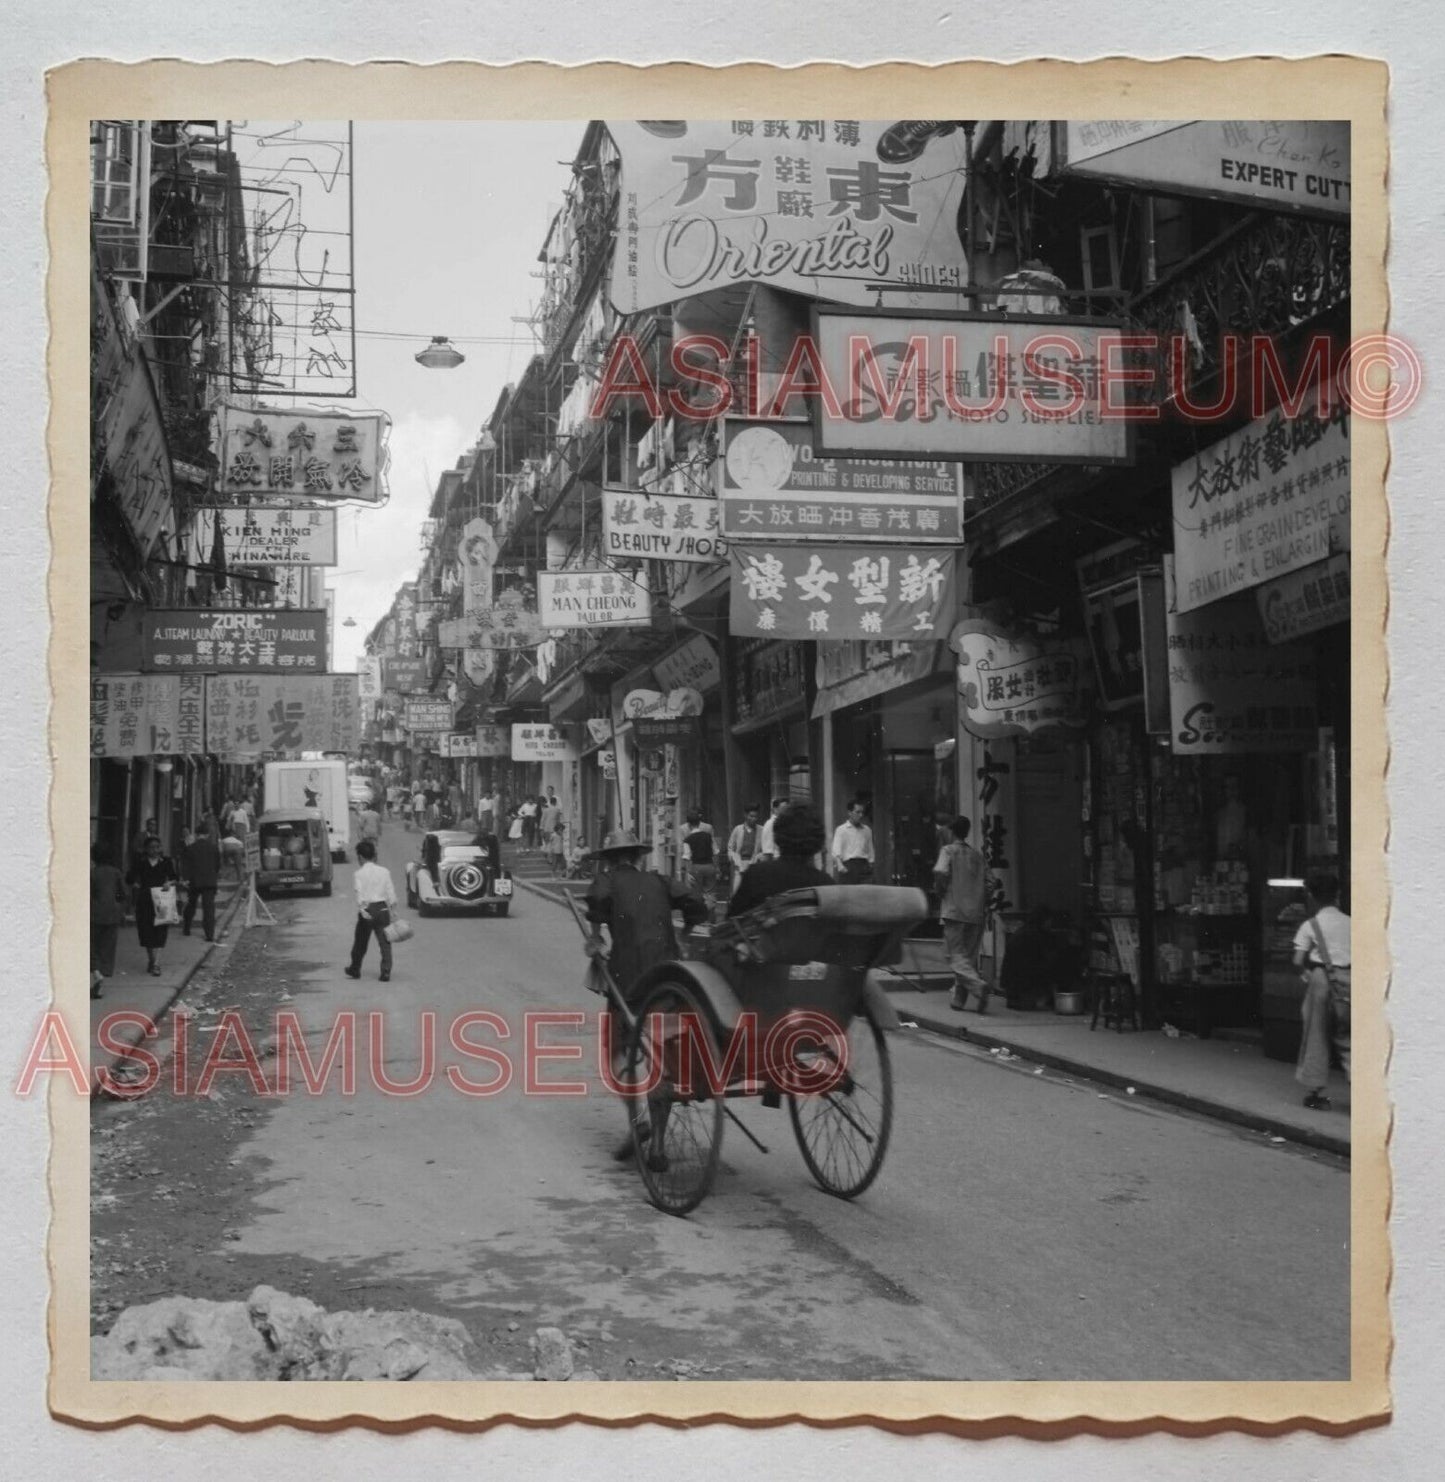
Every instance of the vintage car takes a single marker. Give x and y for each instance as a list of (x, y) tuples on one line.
[(459, 871)]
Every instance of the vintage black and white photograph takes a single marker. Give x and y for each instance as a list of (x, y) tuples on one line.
[(723, 749)]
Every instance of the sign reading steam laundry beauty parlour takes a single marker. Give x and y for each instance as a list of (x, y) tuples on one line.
[(1014, 683), (257, 640), (592, 599)]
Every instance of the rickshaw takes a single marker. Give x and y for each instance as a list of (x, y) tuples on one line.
[(775, 1004)]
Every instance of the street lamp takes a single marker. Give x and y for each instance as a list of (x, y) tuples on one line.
[(441, 354)]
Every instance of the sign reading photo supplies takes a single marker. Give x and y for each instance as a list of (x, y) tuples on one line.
[(541, 743), (660, 527), (1046, 408), (592, 599), (789, 591), (772, 483), (260, 640), (825, 207)]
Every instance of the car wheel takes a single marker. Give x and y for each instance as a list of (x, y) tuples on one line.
[(326, 887)]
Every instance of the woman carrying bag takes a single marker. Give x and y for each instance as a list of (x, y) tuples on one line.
[(1322, 950), (153, 880)]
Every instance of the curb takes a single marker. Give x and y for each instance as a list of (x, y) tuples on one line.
[(134, 1040), (1200, 1105)]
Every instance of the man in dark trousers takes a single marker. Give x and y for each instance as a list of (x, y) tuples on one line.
[(961, 877), (201, 867), (636, 906)]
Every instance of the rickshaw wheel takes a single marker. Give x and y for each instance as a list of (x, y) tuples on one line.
[(679, 1162), (843, 1133)]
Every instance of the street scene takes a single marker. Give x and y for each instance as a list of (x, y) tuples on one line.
[(775, 804)]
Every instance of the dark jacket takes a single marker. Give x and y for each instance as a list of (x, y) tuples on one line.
[(636, 907), (772, 877), (107, 896), (201, 862)]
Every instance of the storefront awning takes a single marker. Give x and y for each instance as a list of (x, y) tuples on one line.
[(919, 662)]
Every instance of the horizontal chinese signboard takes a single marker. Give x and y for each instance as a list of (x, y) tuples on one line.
[(303, 454), (773, 485), (147, 715), (507, 623), (1259, 503), (284, 715), (592, 599), (790, 591), (1014, 683), (261, 640), (1291, 164), (937, 386), (827, 207), (427, 714), (461, 743), (655, 730), (493, 741), (1305, 601), (660, 527), (263, 536), (541, 743), (403, 674), (1231, 690)]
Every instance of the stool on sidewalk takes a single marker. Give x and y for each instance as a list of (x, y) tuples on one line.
[(1116, 1000)]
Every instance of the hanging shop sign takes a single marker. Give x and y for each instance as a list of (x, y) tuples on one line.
[(426, 713), (592, 599), (147, 715), (694, 666), (1305, 601), (849, 673), (937, 386), (658, 730), (768, 680), (607, 760), (1280, 164), (1230, 690), (660, 527), (260, 640), (599, 730), (790, 591), (262, 535), (283, 715), (541, 743), (368, 679), (479, 561), (494, 741), (1259, 503), (461, 743), (831, 208), (1014, 683), (403, 674), (509, 622), (772, 483), (303, 454)]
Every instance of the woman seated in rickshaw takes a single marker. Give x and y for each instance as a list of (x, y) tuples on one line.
[(798, 835)]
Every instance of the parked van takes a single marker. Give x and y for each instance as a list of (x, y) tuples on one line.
[(313, 784), (295, 851)]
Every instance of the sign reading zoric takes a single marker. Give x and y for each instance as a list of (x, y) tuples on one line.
[(789, 591), (969, 386), (1259, 503), (824, 207), (281, 714), (772, 484), (147, 715), (260, 640), (303, 454), (263, 536), (541, 743), (660, 527), (592, 599)]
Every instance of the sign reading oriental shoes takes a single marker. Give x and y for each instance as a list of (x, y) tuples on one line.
[(261, 640), (831, 208), (303, 454), (247, 715), (1259, 503), (795, 591)]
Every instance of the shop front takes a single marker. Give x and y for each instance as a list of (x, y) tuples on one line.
[(770, 685)]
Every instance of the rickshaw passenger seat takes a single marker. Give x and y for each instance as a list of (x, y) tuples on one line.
[(871, 908)]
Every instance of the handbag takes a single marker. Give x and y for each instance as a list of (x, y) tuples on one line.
[(398, 929), (163, 901), (380, 914)]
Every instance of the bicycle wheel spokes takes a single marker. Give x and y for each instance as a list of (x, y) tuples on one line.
[(843, 1132)]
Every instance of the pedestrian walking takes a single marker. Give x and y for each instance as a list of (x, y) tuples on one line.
[(375, 903), (418, 805), (107, 914), (798, 834), (962, 879), (138, 844), (853, 856), (1322, 952), (233, 854), (153, 871), (201, 869), (548, 817), (555, 845), (368, 822), (699, 854), (636, 906), (743, 845), (766, 848), (528, 812), (487, 813)]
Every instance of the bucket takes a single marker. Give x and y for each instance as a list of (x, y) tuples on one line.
[(270, 859), (1069, 1002)]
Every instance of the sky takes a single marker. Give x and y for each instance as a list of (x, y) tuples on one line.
[(449, 218)]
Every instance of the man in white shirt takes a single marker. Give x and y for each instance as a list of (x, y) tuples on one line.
[(853, 857), (766, 848), (1322, 951), (374, 889)]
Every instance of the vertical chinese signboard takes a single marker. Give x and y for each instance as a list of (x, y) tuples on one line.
[(147, 715), (284, 715), (303, 454)]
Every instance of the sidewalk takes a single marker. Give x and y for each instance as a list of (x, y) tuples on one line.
[(132, 989), (1229, 1080)]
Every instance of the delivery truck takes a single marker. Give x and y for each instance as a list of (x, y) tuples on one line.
[(313, 784)]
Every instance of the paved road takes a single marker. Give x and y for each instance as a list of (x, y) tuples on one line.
[(1023, 1226)]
